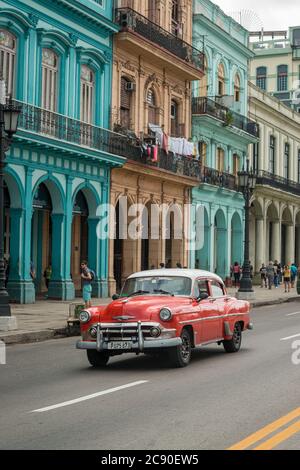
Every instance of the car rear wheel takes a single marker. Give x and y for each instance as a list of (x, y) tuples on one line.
[(234, 344), (97, 359), (181, 355)]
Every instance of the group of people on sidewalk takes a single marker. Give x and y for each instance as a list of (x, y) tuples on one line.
[(276, 274)]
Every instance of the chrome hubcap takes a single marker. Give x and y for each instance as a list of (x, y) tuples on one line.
[(185, 349), (237, 336)]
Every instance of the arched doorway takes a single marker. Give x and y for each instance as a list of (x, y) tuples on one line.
[(273, 234), (287, 237), (79, 237), (41, 239), (125, 243), (297, 239), (7, 230), (202, 256), (220, 244), (236, 239), (173, 229)]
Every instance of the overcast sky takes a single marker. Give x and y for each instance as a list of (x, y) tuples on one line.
[(274, 14)]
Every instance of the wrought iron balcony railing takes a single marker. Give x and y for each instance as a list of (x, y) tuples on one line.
[(278, 182), (62, 128), (130, 20), (203, 105), (219, 178)]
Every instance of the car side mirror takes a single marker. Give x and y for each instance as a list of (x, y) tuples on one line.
[(115, 297), (203, 296)]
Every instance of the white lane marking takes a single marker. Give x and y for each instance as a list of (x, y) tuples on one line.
[(89, 397), (292, 314), (290, 337)]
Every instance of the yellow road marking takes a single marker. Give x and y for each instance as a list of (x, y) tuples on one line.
[(280, 437), (264, 432)]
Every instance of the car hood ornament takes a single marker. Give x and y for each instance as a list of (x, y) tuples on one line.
[(124, 318)]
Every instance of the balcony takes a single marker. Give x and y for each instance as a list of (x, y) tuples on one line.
[(278, 182), (218, 178), (135, 27), (207, 107), (37, 123)]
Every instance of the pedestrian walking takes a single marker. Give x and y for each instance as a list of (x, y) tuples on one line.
[(294, 274), (263, 276), (278, 276), (236, 274), (87, 276), (287, 278), (270, 274)]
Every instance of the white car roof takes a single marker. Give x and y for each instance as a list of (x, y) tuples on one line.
[(190, 273)]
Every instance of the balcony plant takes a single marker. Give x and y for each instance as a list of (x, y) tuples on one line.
[(229, 119)]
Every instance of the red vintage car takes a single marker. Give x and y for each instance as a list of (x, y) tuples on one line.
[(167, 312)]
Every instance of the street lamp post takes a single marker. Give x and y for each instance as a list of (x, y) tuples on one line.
[(247, 183), (8, 127)]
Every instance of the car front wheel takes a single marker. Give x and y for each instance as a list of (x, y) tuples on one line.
[(234, 344), (181, 355), (97, 359)]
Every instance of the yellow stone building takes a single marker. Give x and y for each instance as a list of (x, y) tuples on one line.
[(154, 66)]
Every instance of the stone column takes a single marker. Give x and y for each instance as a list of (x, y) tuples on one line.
[(260, 244), (212, 239), (290, 244), (276, 238)]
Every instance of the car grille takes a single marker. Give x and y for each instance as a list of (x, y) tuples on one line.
[(116, 332)]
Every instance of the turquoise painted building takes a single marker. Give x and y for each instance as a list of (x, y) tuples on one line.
[(56, 58), (223, 132)]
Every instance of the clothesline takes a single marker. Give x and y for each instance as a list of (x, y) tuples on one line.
[(175, 145)]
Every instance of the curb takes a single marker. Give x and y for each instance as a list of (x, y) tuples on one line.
[(34, 336), (59, 333), (274, 302)]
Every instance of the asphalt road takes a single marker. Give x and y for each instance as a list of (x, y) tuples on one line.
[(215, 403)]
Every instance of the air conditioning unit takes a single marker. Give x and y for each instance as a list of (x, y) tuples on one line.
[(130, 86)]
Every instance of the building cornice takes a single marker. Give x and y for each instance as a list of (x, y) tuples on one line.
[(223, 35)]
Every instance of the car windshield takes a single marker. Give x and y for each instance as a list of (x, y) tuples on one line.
[(158, 285)]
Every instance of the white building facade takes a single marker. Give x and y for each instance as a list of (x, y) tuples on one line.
[(275, 214)]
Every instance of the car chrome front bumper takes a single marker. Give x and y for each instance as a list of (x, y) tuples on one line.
[(139, 344), (153, 344)]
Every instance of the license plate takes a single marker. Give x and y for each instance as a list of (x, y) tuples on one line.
[(120, 345)]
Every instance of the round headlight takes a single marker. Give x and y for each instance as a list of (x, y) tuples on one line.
[(165, 314), (155, 332), (84, 316), (93, 332)]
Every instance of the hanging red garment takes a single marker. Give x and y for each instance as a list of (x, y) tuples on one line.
[(154, 153)]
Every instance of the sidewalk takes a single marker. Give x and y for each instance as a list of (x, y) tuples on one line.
[(46, 319)]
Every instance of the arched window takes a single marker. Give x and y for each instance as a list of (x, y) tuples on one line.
[(87, 92), (204, 79), (236, 164), (8, 58), (176, 27), (220, 160), (49, 79), (221, 80), (125, 109), (153, 12), (272, 153), (152, 107), (282, 78), (237, 88), (261, 78), (175, 131), (286, 161)]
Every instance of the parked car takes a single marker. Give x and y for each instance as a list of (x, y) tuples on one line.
[(165, 312)]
